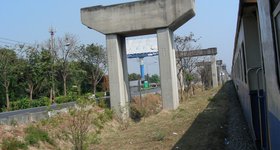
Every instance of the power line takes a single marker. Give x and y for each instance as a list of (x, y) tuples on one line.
[(15, 41), (7, 43)]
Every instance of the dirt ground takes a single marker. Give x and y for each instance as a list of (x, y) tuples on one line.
[(201, 123)]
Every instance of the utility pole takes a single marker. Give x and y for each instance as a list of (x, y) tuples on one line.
[(52, 90)]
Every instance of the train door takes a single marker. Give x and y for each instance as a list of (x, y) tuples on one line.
[(252, 57)]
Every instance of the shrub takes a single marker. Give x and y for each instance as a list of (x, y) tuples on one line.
[(35, 103), (13, 144), (44, 101), (149, 105), (99, 94), (78, 123), (20, 104), (158, 136), (102, 118), (104, 103), (35, 134), (64, 99)]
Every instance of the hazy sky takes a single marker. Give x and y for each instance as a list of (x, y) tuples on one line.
[(29, 20)]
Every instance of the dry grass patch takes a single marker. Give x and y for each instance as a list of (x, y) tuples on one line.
[(148, 105)]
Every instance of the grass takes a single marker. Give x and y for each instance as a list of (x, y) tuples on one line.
[(196, 124), (34, 135), (149, 105), (13, 144), (171, 129)]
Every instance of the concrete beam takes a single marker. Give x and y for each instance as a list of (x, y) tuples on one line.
[(199, 64), (196, 53), (168, 70), (118, 74), (138, 18), (203, 63)]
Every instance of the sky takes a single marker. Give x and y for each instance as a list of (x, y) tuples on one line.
[(28, 21)]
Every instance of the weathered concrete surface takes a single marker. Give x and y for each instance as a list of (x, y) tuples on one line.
[(138, 18), (168, 70), (214, 72), (199, 64), (196, 53), (118, 74)]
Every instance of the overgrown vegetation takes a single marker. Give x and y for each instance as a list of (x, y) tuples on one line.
[(148, 105), (158, 135), (13, 144), (34, 135), (82, 125)]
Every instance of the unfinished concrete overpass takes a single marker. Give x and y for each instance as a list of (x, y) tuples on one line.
[(212, 52), (161, 17)]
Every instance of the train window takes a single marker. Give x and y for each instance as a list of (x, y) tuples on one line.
[(244, 63), (276, 16), (239, 68)]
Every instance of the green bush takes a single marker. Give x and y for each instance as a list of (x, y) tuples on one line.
[(45, 101), (35, 103), (99, 94), (102, 118), (158, 135), (13, 144), (20, 104), (26, 103), (64, 99), (34, 135)]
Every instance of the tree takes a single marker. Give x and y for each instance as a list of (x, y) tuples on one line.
[(78, 75), (32, 71), (154, 79), (185, 65), (7, 67), (94, 61), (66, 49), (133, 76), (46, 67), (105, 83)]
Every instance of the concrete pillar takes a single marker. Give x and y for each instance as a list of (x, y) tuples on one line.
[(168, 71), (219, 71), (118, 74), (214, 71)]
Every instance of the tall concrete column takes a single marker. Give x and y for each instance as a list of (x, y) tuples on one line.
[(118, 74), (214, 71), (168, 71)]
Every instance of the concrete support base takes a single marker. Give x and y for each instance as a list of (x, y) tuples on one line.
[(118, 74), (214, 71), (168, 71)]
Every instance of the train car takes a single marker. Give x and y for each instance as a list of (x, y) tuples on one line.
[(256, 69)]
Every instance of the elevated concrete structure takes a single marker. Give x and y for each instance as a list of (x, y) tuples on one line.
[(138, 18), (203, 52), (196, 53), (160, 17), (219, 72)]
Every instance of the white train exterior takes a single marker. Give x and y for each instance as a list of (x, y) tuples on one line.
[(256, 69)]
